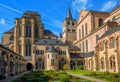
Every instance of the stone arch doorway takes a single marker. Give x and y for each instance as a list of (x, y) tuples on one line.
[(29, 66)]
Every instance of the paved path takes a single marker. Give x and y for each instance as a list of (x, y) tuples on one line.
[(10, 78), (86, 77)]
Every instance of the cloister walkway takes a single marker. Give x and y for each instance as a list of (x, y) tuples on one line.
[(86, 77), (10, 78)]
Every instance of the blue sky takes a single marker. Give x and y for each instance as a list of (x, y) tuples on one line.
[(52, 12)]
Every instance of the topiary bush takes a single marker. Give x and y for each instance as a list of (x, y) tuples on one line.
[(65, 78), (80, 67), (113, 75), (106, 73), (93, 73), (65, 67)]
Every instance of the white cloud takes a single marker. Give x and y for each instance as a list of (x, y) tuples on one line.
[(2, 21), (109, 5), (10, 8), (81, 4)]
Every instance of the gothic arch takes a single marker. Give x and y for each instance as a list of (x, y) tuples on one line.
[(72, 64), (112, 63), (40, 63), (62, 62), (102, 63)]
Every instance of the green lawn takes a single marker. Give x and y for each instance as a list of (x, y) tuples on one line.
[(48, 76), (108, 77)]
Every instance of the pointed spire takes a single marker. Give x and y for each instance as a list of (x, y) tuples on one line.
[(69, 15)]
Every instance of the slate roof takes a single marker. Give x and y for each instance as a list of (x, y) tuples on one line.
[(51, 49), (48, 32), (75, 55), (69, 15), (110, 31), (10, 31), (82, 55), (71, 47), (50, 42), (89, 54)]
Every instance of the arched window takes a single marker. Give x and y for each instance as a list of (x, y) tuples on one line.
[(28, 29), (11, 37), (72, 64), (102, 63), (28, 48), (36, 29), (40, 63), (86, 45), (62, 62), (82, 31), (112, 42), (112, 63), (100, 22), (89, 63), (68, 22)]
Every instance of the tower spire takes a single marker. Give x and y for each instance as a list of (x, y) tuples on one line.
[(69, 15)]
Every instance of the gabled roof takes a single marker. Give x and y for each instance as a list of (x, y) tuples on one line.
[(10, 30), (110, 31), (51, 49), (72, 47), (75, 55), (81, 55), (50, 42), (89, 54)]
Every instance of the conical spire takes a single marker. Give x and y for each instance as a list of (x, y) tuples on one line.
[(69, 15)]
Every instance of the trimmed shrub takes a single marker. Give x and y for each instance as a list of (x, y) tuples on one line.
[(106, 73), (80, 67), (113, 75), (65, 67), (35, 80), (64, 78), (93, 73)]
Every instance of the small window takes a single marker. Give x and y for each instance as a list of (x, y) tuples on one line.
[(73, 23), (100, 22), (73, 30), (52, 62), (68, 30), (68, 22), (112, 42)]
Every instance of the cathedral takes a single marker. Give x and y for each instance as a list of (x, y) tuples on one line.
[(41, 48), (92, 41)]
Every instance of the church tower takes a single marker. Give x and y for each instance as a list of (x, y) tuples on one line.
[(69, 28), (28, 29)]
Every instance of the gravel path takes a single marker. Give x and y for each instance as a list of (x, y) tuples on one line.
[(86, 77)]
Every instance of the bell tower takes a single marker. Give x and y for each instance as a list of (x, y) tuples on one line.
[(69, 28)]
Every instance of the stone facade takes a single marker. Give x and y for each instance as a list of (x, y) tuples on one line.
[(11, 63), (69, 28), (94, 33), (32, 42)]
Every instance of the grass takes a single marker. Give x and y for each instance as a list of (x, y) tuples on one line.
[(61, 76), (108, 77)]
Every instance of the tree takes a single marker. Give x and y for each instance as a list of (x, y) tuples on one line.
[(65, 67)]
